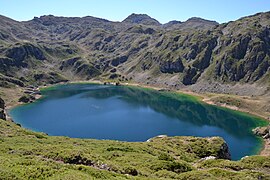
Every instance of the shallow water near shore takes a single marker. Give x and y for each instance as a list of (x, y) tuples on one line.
[(135, 114)]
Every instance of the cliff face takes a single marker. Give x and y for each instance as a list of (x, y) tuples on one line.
[(2, 109), (138, 48)]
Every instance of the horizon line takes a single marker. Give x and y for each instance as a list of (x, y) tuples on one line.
[(131, 14)]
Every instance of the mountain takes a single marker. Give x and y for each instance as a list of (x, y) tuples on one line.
[(197, 54), (171, 23), (192, 23), (143, 19)]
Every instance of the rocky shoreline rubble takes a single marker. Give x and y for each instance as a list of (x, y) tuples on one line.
[(31, 93), (263, 132)]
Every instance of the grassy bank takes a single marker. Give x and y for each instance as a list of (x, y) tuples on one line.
[(30, 155)]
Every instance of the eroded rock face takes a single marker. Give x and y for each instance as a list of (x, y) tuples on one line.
[(80, 67), (190, 76), (17, 57), (69, 63), (224, 152), (172, 67), (2, 103), (6, 81), (2, 109), (119, 60), (20, 53), (27, 99), (49, 77), (248, 58)]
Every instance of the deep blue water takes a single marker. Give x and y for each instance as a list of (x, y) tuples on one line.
[(134, 114)]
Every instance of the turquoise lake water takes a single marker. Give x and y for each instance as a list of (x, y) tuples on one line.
[(134, 114)]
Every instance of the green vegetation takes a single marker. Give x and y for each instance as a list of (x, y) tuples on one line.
[(29, 155)]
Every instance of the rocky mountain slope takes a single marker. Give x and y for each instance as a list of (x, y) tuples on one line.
[(197, 54)]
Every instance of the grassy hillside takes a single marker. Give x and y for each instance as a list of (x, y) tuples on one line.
[(29, 155)]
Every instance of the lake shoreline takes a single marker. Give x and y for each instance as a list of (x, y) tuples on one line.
[(265, 150)]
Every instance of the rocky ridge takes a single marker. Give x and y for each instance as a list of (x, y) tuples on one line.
[(51, 49)]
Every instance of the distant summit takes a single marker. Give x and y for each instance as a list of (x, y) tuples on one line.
[(191, 23), (201, 20), (171, 23), (141, 19)]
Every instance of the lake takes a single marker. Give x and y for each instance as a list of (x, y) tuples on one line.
[(135, 114)]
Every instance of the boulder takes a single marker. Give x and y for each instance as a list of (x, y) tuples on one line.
[(207, 158)]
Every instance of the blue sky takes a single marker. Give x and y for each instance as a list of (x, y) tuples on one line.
[(117, 10)]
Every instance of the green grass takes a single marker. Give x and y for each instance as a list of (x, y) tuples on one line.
[(30, 155)]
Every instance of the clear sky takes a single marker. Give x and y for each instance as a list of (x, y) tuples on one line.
[(117, 10)]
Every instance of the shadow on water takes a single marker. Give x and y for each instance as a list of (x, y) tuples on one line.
[(182, 107)]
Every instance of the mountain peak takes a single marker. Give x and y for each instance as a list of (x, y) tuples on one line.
[(171, 24), (141, 19), (201, 20), (191, 23)]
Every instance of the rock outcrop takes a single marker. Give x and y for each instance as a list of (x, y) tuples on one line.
[(2, 109), (119, 60), (224, 152), (263, 132), (21, 52), (27, 98), (172, 67)]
